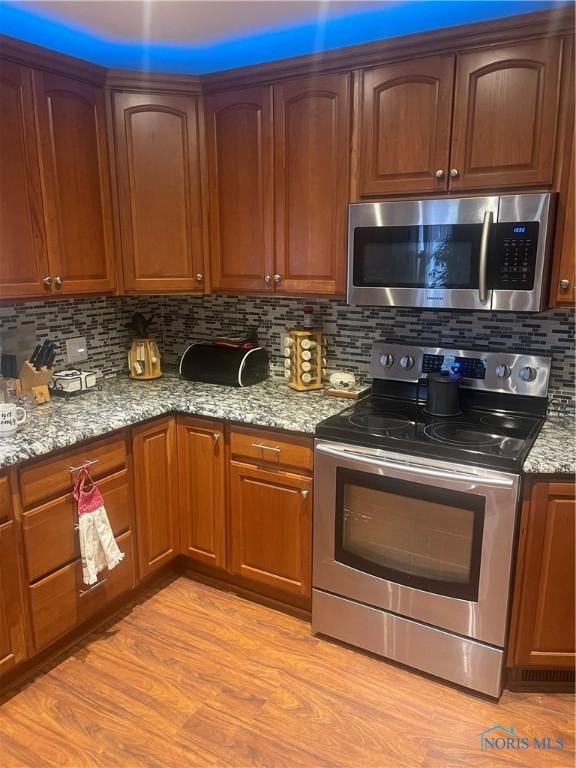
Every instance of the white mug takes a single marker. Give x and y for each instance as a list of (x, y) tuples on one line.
[(9, 421)]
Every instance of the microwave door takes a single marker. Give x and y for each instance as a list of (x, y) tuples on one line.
[(432, 253)]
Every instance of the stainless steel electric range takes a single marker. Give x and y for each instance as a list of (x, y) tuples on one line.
[(415, 516)]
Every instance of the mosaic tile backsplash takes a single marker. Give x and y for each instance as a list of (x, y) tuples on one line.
[(179, 320)]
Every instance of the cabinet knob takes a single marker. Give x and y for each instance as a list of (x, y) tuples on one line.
[(58, 280), (304, 494), (439, 173), (564, 283), (199, 277), (454, 173), (47, 281), (267, 278), (216, 437), (277, 278)]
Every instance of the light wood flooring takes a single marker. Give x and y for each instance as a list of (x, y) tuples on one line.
[(197, 677)]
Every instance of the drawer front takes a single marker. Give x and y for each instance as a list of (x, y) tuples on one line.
[(272, 449), (50, 535), (57, 605), (5, 500), (52, 477)]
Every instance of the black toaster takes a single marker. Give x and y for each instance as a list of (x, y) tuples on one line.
[(224, 363)]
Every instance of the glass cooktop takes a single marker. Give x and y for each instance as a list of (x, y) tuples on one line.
[(485, 438)]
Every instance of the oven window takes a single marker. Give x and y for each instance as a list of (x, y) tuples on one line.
[(418, 535), (420, 256)]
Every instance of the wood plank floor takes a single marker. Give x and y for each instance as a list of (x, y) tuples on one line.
[(197, 677)]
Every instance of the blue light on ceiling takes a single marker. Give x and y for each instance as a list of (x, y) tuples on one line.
[(400, 18)]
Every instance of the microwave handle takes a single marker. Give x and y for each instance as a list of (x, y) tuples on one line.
[(484, 242)]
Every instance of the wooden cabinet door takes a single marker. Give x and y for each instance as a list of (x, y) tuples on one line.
[(23, 260), (505, 116), (404, 130), (156, 494), (160, 193), (565, 273), (12, 638), (311, 159), (543, 616), (270, 514), (76, 183), (201, 491), (240, 165)]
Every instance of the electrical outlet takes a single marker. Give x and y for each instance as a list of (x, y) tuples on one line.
[(76, 349)]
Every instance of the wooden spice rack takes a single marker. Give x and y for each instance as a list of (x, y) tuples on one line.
[(304, 359)]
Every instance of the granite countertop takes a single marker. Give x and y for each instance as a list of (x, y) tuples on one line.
[(122, 402)]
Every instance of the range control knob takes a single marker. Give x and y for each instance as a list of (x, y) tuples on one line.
[(503, 371), (407, 362), (387, 360), (527, 373)]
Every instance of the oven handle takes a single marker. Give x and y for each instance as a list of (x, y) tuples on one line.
[(484, 241), (503, 482)]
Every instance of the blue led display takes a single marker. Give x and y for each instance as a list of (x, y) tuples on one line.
[(390, 20), (519, 230)]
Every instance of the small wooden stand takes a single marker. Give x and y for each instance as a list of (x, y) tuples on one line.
[(35, 382), (144, 359), (303, 359)]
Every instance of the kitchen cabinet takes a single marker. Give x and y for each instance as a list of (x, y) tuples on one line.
[(76, 184), (12, 637), (506, 105), (24, 262), (564, 275), (405, 114), (543, 617), (240, 165), (311, 161), (202, 509), (270, 518), (156, 494), (158, 160)]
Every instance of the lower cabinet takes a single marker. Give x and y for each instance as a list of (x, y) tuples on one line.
[(156, 494), (12, 638), (201, 482), (271, 532), (543, 616)]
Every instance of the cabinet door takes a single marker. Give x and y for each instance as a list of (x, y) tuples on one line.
[(12, 641), (160, 194), (544, 611), (156, 494), (271, 529), (505, 116), (201, 485), (404, 132), (311, 158), (239, 136), (565, 287), (24, 261), (75, 177)]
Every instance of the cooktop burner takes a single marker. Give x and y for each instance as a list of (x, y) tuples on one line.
[(464, 433), (379, 422)]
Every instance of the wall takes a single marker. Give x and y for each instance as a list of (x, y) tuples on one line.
[(350, 330)]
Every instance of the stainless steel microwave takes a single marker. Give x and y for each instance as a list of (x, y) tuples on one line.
[(488, 253)]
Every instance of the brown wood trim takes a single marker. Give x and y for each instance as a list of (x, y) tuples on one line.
[(50, 61), (466, 36), (130, 80)]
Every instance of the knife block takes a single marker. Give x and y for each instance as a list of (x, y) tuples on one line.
[(35, 381), (144, 359)]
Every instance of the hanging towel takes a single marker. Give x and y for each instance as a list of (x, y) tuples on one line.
[(98, 547)]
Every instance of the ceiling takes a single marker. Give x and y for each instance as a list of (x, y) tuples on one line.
[(200, 36)]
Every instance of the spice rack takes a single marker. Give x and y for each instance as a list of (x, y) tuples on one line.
[(304, 359)]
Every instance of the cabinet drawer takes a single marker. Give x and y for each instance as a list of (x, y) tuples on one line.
[(5, 500), (52, 477), (57, 604), (271, 448), (50, 535)]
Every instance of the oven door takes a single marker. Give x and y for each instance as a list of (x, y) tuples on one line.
[(428, 253), (423, 539)]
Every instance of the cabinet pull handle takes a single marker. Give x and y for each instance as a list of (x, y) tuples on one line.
[(267, 278), (439, 173), (277, 278), (47, 281), (84, 592), (454, 173), (304, 494), (564, 283), (265, 447), (216, 437), (58, 280)]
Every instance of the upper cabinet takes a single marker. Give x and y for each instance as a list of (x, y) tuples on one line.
[(404, 117), (563, 289), (76, 184), (24, 261), (158, 161), (505, 116), (240, 164), (480, 120)]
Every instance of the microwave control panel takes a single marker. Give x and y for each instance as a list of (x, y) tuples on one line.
[(513, 255)]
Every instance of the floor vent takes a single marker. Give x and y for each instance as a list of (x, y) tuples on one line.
[(566, 676)]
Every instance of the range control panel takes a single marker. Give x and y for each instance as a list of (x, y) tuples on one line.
[(514, 374), (513, 261)]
